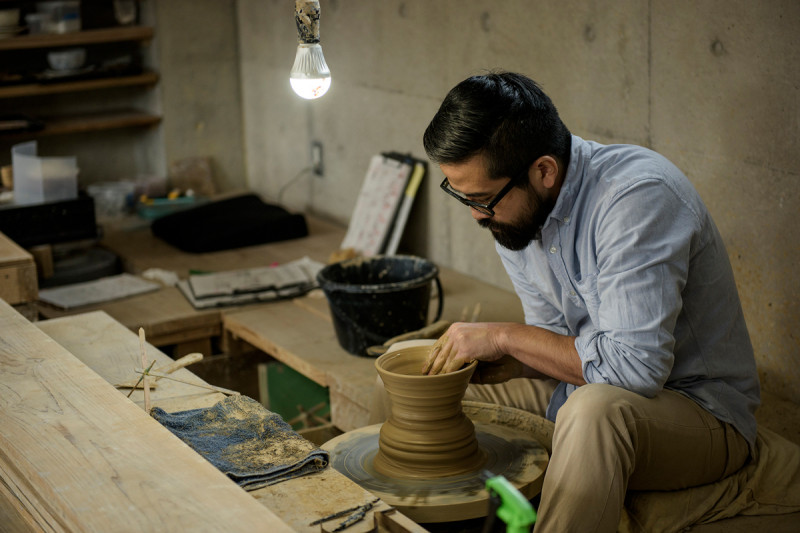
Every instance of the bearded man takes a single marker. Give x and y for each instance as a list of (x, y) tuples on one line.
[(634, 342)]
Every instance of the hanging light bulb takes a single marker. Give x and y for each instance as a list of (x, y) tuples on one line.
[(310, 77)]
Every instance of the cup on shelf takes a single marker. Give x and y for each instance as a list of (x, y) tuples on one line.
[(125, 11), (65, 15), (37, 22)]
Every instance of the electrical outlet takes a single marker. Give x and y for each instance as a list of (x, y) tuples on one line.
[(316, 158)]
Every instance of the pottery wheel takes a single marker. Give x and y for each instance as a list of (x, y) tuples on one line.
[(506, 435)]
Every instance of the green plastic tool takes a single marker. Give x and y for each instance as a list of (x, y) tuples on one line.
[(508, 504)]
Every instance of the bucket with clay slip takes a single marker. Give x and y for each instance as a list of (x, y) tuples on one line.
[(374, 299)]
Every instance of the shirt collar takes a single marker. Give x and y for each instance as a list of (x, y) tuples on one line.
[(573, 179)]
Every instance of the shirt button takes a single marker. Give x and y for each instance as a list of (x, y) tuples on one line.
[(553, 249), (566, 220), (572, 293)]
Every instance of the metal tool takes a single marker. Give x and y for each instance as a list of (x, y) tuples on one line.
[(354, 514), (508, 504)]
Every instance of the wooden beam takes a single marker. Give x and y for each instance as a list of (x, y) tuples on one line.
[(18, 281), (76, 455)]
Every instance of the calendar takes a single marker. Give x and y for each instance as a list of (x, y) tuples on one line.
[(377, 204)]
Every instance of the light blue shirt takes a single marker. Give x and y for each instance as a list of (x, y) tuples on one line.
[(631, 264)]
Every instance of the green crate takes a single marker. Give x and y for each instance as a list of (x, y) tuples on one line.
[(290, 394)]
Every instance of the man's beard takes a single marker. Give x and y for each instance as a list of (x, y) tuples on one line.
[(518, 235)]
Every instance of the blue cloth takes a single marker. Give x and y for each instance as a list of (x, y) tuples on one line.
[(250, 444), (631, 263)]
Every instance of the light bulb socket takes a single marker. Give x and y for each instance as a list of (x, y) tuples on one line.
[(309, 63), (310, 77), (306, 17)]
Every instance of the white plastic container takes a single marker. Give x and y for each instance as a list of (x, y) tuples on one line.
[(42, 179), (112, 199)]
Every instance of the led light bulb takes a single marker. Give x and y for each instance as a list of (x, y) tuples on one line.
[(310, 77)]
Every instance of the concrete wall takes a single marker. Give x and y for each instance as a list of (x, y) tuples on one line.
[(711, 84), (198, 60)]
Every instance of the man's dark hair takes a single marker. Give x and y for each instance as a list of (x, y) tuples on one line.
[(505, 116)]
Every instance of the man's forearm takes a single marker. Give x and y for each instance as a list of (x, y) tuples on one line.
[(543, 351)]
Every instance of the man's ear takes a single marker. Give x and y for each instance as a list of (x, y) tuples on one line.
[(546, 169)]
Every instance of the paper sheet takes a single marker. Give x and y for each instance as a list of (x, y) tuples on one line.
[(97, 291)]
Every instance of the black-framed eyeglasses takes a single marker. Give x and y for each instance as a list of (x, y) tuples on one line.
[(488, 208)]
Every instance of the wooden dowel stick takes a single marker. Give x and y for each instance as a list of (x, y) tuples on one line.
[(476, 312), (145, 384)]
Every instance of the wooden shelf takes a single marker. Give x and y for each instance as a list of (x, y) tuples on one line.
[(38, 89), (87, 123), (105, 35)]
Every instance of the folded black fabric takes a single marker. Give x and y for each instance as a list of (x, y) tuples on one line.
[(244, 220), (250, 444)]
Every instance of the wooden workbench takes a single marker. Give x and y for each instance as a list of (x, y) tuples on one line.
[(166, 315), (300, 333), (128, 445), (18, 283), (297, 332)]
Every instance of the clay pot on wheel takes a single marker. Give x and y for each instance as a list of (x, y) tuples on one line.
[(427, 435)]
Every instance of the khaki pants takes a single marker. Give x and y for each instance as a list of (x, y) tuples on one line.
[(607, 440)]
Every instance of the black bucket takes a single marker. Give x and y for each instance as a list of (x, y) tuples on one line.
[(374, 299)]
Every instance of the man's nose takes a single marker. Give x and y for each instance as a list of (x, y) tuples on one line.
[(478, 215)]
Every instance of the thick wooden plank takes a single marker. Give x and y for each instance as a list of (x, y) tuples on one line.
[(109, 348), (112, 351), (78, 456), (18, 281), (11, 253)]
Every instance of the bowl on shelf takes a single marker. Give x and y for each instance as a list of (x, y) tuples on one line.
[(67, 59), (9, 18)]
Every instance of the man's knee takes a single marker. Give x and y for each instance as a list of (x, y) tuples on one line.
[(592, 400), (594, 405)]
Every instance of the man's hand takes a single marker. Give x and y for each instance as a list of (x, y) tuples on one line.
[(461, 344)]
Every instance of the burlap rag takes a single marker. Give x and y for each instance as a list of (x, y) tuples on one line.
[(250, 444)]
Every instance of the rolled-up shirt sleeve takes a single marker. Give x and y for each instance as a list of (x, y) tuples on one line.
[(643, 244)]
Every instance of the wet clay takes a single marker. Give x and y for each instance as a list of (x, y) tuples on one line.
[(427, 434)]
